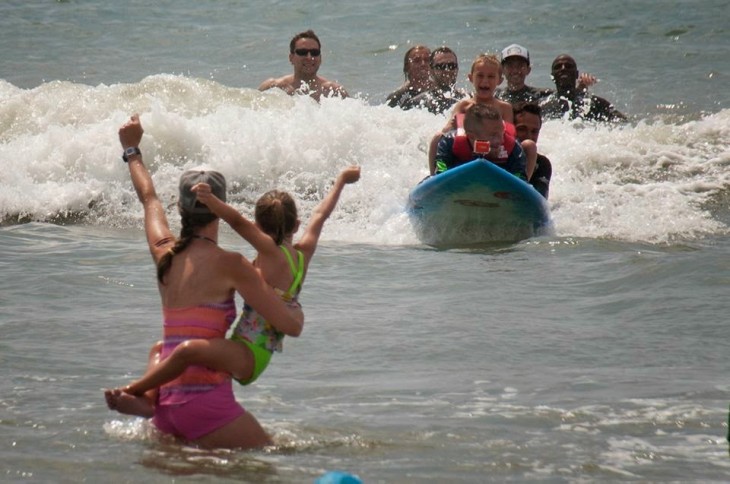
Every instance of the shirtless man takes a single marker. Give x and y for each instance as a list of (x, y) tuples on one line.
[(305, 54)]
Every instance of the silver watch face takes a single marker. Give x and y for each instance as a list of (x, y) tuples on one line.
[(130, 151)]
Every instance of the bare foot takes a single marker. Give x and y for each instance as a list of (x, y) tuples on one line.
[(132, 390), (128, 404)]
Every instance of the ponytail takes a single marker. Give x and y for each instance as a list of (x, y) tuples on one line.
[(276, 214)]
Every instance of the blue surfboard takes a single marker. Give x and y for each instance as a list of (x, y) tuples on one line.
[(476, 203)]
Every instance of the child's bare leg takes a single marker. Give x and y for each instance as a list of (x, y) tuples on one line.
[(140, 405), (219, 354)]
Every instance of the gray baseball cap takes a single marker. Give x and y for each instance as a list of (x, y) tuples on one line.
[(188, 200)]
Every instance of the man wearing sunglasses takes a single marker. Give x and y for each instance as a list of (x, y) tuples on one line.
[(444, 73), (305, 54)]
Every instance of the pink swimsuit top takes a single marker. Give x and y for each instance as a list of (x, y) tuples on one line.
[(206, 321)]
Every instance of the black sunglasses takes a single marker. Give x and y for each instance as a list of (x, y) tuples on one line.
[(304, 52), (446, 66)]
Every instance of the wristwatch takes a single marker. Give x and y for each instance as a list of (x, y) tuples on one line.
[(131, 151)]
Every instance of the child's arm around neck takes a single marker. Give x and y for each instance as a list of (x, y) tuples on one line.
[(260, 240)]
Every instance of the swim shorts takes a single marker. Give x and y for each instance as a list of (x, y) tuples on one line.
[(261, 358), (200, 416)]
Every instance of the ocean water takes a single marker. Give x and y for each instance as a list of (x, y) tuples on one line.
[(596, 354)]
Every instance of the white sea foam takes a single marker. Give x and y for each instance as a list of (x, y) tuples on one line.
[(61, 157), (648, 182)]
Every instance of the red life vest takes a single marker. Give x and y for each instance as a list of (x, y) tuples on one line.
[(463, 151)]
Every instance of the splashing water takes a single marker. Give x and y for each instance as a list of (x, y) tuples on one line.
[(654, 181)]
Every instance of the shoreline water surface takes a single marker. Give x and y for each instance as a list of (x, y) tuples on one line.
[(594, 354)]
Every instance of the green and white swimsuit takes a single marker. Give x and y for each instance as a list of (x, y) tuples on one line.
[(257, 333)]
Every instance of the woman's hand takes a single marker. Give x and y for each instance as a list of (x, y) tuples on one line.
[(130, 134)]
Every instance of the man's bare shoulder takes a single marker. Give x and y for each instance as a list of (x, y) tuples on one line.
[(331, 88), (285, 82)]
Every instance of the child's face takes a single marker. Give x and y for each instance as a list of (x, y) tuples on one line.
[(488, 130), (485, 78)]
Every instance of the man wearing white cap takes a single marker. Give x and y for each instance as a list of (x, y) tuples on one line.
[(516, 67)]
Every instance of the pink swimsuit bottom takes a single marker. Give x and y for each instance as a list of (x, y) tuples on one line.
[(200, 416)]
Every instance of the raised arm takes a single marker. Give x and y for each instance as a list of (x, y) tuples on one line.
[(159, 236), (261, 241), (308, 242)]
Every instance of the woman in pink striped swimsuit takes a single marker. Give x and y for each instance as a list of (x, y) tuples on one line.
[(197, 280)]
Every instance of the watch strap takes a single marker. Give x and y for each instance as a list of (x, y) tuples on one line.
[(131, 151)]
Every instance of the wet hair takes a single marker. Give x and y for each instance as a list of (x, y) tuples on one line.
[(276, 214), (190, 222), (406, 58), (309, 34), (441, 50), (527, 107), (487, 59), (477, 113)]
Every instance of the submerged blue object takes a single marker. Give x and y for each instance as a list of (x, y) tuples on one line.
[(337, 477)]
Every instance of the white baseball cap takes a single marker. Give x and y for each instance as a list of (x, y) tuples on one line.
[(515, 50)]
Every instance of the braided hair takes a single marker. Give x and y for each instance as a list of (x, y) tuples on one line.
[(276, 214), (190, 222)]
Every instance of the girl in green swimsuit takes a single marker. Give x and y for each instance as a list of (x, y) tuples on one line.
[(281, 263)]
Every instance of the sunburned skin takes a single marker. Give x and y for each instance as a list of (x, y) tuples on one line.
[(305, 79)]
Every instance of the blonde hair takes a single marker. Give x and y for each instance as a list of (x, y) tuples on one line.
[(276, 214), (488, 59)]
